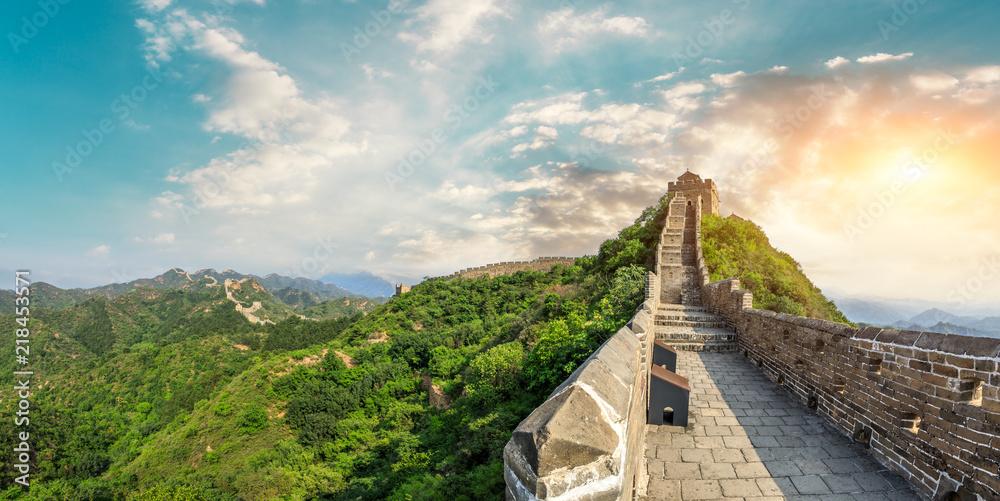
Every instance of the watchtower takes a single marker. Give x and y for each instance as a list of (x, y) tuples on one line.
[(691, 185)]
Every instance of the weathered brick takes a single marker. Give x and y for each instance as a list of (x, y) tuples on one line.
[(945, 370), (934, 380), (985, 365), (961, 362)]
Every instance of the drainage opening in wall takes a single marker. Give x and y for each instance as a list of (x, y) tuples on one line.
[(781, 379), (970, 391), (668, 415), (820, 346), (785, 335), (910, 422), (874, 365), (863, 435), (812, 402)]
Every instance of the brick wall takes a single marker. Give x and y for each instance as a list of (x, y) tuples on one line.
[(926, 404), (511, 267)]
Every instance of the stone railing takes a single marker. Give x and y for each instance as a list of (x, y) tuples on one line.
[(511, 267), (587, 440), (926, 404)]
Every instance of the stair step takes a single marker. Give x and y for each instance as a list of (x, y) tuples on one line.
[(691, 323), (691, 316), (673, 308), (706, 347)]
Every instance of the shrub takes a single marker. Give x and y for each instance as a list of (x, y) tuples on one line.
[(495, 372), (252, 419)]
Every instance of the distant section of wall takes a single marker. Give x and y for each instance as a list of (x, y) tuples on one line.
[(926, 404), (587, 440), (511, 267)]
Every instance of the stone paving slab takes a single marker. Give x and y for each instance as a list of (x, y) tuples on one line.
[(749, 439)]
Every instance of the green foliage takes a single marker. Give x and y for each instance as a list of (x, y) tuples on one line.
[(294, 333), (635, 245), (252, 419), (223, 409), (161, 493), (445, 362), (735, 248), (212, 457), (494, 374), (562, 345)]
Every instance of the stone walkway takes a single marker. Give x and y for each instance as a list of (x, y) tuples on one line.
[(750, 439)]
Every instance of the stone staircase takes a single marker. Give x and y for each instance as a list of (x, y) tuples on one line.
[(682, 321), (693, 328)]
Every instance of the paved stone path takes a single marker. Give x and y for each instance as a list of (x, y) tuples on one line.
[(750, 439)]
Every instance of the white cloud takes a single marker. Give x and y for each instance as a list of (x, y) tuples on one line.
[(836, 62), (371, 72), (665, 76), (601, 132), (101, 251), (132, 124), (683, 89), (548, 132), (882, 57), (155, 5), (568, 29), (291, 138), (933, 82), (539, 142), (453, 24), (370, 256), (628, 124), (727, 79), (680, 96), (983, 74), (162, 238)]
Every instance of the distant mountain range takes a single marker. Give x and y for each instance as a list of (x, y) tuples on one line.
[(296, 292), (899, 315), (363, 283)]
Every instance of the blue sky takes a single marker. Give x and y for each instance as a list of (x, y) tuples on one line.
[(270, 136)]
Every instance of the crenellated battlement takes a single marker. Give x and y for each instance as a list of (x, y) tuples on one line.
[(511, 267), (691, 186)]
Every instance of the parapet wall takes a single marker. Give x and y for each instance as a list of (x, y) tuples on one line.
[(926, 404), (511, 267), (582, 443)]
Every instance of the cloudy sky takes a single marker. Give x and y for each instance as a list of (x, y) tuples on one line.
[(413, 138)]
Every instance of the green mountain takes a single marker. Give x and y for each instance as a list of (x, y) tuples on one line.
[(175, 395), (52, 297), (739, 248)]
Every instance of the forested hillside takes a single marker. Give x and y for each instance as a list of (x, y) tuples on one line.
[(740, 249), (174, 395)]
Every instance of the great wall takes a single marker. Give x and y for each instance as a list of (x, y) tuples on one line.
[(781, 406)]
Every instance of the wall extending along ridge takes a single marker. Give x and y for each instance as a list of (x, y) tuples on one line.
[(511, 267), (586, 442), (926, 404)]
